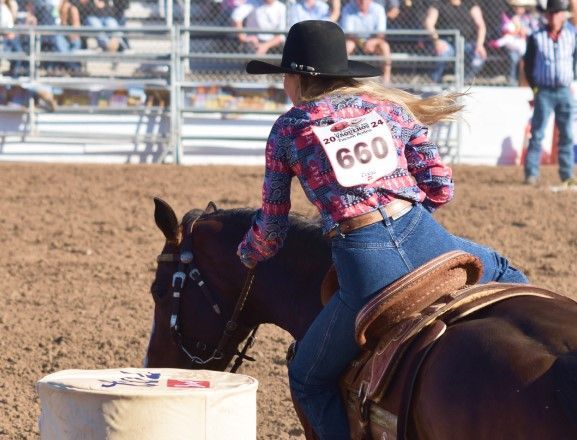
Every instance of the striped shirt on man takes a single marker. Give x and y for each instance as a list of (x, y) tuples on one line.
[(550, 62)]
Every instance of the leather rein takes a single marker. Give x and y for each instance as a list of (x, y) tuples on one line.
[(187, 269)]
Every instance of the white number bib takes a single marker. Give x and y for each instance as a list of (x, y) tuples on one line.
[(361, 150)]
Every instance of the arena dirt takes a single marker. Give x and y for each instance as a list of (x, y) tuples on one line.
[(78, 245)]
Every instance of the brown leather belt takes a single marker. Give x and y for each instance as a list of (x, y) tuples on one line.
[(397, 208)]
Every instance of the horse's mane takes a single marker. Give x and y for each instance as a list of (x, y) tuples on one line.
[(303, 235)]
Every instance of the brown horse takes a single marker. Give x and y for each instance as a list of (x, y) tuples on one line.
[(506, 371)]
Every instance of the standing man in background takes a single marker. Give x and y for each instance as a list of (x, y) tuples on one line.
[(550, 69)]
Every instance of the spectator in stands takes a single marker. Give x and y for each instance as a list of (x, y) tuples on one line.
[(70, 17), (465, 16), (8, 13), (313, 10), (514, 32), (410, 15), (405, 15), (392, 9), (260, 14), (42, 13), (364, 22), (550, 70), (223, 15), (302, 10), (227, 7), (335, 7), (119, 8), (208, 12), (100, 14)]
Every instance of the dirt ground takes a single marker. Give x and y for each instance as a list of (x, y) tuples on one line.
[(78, 248)]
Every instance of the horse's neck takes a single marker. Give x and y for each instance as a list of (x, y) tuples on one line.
[(289, 300), (287, 287)]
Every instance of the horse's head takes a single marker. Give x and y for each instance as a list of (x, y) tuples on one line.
[(198, 281)]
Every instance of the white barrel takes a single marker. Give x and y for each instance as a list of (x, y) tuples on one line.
[(147, 403)]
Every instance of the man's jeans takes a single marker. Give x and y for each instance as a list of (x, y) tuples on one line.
[(514, 60), (61, 44), (367, 260), (548, 100), (473, 62), (105, 23), (13, 45)]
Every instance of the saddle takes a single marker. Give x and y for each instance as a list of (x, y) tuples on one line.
[(399, 326)]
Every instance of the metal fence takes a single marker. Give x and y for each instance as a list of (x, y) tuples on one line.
[(174, 81), (210, 79), (401, 15), (94, 89), (409, 15)]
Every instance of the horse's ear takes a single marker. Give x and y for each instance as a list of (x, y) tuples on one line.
[(165, 219), (210, 208)]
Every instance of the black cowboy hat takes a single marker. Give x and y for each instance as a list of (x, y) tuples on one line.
[(316, 48), (554, 6)]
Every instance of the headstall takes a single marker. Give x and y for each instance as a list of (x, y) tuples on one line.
[(187, 269)]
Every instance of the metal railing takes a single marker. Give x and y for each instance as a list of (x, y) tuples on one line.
[(101, 73), (186, 67), (193, 66)]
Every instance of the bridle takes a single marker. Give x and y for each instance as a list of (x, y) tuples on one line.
[(187, 269)]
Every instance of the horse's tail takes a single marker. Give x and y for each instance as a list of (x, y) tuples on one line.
[(565, 376)]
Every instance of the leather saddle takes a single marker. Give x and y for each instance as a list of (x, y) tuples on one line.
[(400, 325)]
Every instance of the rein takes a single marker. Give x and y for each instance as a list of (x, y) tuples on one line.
[(185, 265)]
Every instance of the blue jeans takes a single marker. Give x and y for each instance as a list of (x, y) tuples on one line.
[(104, 23), (61, 44), (367, 260), (514, 59), (13, 45), (473, 62), (560, 101)]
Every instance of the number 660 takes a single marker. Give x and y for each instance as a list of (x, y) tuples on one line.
[(362, 153)]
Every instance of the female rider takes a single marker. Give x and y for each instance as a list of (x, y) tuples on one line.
[(362, 156)]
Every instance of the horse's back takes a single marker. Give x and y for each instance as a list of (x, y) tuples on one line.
[(502, 373)]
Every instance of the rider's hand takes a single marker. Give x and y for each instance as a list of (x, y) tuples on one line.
[(246, 261)]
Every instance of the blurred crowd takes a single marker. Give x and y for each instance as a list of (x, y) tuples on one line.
[(497, 28), (107, 15), (491, 28)]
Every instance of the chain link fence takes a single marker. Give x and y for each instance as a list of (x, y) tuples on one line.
[(109, 15), (167, 62), (501, 65)]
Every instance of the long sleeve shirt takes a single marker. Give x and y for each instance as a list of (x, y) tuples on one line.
[(294, 150), (551, 62)]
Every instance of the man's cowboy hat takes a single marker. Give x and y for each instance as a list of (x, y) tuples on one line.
[(555, 6), (316, 48)]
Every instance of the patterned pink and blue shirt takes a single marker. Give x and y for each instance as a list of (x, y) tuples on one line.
[(293, 149)]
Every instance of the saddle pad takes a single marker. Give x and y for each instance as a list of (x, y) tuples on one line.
[(415, 291)]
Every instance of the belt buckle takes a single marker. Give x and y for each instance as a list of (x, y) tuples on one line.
[(336, 229)]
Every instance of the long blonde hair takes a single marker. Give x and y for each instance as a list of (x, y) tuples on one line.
[(428, 110)]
